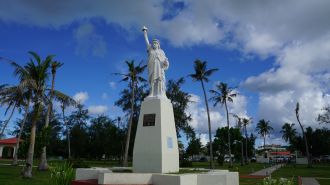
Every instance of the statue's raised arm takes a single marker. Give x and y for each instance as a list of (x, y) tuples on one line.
[(144, 29)]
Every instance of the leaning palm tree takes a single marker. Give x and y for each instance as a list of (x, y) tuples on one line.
[(224, 94), (288, 132), (263, 128), (36, 72), (54, 66), (133, 78), (18, 95), (65, 102), (13, 97), (304, 135), (202, 74), (26, 112), (34, 76), (245, 122)]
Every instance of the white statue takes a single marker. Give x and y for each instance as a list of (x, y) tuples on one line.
[(157, 64)]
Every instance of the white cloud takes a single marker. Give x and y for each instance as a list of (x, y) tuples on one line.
[(113, 84), (295, 33), (81, 97), (105, 96), (88, 41), (217, 114), (97, 109)]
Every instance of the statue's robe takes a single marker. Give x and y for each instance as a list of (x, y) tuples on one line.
[(157, 63)]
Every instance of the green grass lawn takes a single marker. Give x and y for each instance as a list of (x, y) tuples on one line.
[(243, 170), (10, 175), (289, 171), (324, 181)]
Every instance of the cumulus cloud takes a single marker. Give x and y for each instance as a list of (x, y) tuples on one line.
[(295, 33), (217, 114), (88, 41), (81, 97), (97, 109)]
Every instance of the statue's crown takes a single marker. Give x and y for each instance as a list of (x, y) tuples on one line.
[(155, 40)]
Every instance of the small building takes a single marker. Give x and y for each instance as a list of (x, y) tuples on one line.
[(8, 147), (273, 153)]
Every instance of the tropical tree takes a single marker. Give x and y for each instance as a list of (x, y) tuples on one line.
[(202, 75), (263, 128), (65, 102), (133, 78), (12, 97), (224, 94), (194, 146), (325, 116), (239, 126), (288, 132), (245, 122), (304, 135), (180, 101), (34, 76), (54, 66), (78, 132)]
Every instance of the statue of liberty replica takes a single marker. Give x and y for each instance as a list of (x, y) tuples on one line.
[(157, 64), (156, 146)]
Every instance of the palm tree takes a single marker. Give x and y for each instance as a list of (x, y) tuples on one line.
[(65, 102), (34, 76), (304, 135), (9, 96), (202, 74), (263, 128), (245, 122), (133, 77), (37, 72), (20, 96), (239, 126), (54, 66), (288, 132), (224, 94), (26, 112)]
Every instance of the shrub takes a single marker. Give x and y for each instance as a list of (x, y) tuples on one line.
[(280, 181), (61, 174), (185, 163), (79, 163), (220, 159)]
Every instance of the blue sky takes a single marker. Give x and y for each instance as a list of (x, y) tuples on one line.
[(275, 53)]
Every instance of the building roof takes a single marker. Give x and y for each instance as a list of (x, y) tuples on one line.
[(9, 141), (280, 153)]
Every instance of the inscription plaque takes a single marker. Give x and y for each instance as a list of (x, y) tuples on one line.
[(149, 120)]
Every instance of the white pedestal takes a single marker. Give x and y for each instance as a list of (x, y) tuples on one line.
[(156, 145)]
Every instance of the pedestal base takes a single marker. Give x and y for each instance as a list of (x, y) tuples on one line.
[(156, 145)]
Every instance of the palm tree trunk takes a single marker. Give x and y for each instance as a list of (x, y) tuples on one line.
[(229, 147), (7, 121), (67, 132), (27, 170), (264, 141), (43, 158), (209, 124), (15, 162), (246, 145), (242, 153), (306, 144), (128, 137), (43, 161)]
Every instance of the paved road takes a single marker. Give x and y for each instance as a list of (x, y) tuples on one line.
[(309, 181), (267, 171)]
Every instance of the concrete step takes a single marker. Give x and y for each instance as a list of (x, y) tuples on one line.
[(94, 182)]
